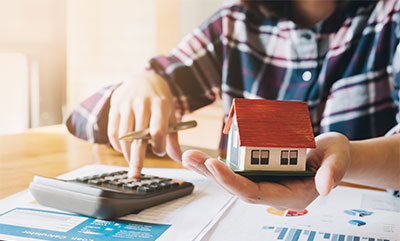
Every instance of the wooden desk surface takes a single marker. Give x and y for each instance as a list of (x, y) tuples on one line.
[(52, 152)]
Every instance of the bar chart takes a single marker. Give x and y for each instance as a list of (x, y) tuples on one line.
[(296, 234)]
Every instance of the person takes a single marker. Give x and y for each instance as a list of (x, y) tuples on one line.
[(341, 57)]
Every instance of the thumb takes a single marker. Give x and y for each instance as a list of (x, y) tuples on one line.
[(330, 173), (324, 180)]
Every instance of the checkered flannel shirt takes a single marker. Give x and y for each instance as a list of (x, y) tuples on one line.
[(346, 68)]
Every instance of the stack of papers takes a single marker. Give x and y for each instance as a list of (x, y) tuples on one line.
[(186, 218), (210, 213), (347, 214)]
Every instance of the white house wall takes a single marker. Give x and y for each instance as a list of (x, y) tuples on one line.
[(274, 159), (229, 150), (242, 156)]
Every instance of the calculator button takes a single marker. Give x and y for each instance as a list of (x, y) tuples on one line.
[(115, 183), (83, 179), (144, 178), (145, 189), (146, 182), (121, 176), (165, 179), (95, 182), (104, 180), (156, 187), (125, 181), (164, 185), (111, 178), (171, 185), (130, 186), (180, 183)]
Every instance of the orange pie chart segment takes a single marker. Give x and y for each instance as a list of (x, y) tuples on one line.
[(286, 213)]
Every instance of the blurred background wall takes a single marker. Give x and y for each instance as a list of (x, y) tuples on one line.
[(55, 53), (32, 63)]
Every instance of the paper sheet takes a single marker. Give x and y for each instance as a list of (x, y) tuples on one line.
[(182, 219), (347, 214)]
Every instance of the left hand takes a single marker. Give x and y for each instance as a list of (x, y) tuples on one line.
[(331, 159)]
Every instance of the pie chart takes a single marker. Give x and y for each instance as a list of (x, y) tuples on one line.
[(286, 213), (357, 222)]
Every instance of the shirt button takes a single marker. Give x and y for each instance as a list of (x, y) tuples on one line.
[(306, 75), (306, 35)]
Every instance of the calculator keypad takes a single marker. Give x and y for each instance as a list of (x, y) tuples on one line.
[(120, 182)]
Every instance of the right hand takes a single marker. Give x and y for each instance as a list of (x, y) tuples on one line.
[(139, 103), (331, 159)]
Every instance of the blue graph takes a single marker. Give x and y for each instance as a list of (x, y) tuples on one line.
[(294, 234)]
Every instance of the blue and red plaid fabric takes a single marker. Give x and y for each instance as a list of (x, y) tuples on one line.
[(346, 68)]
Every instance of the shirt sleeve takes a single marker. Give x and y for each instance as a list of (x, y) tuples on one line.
[(89, 120), (395, 81), (396, 92), (193, 69)]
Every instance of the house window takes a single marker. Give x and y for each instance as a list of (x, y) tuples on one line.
[(284, 157), (293, 157), (255, 157), (264, 157)]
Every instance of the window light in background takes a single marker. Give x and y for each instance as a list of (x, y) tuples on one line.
[(14, 93)]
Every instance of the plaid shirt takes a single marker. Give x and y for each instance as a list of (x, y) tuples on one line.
[(346, 68)]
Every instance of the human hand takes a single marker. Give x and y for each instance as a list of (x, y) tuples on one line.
[(143, 102), (331, 159)]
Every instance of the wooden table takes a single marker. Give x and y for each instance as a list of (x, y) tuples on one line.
[(52, 152)]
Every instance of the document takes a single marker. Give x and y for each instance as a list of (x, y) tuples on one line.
[(347, 214), (186, 218)]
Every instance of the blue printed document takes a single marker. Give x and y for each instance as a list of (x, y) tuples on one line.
[(51, 225), (186, 218)]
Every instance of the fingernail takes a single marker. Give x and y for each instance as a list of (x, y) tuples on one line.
[(159, 154), (134, 174)]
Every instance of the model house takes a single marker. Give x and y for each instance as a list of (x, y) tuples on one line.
[(268, 135)]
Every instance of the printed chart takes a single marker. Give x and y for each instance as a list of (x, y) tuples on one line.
[(287, 213), (347, 214), (293, 234)]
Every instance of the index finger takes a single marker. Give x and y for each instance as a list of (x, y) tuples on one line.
[(138, 147)]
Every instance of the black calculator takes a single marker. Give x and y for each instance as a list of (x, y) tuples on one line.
[(109, 195)]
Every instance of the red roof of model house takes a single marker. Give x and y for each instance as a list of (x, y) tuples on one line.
[(272, 123)]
